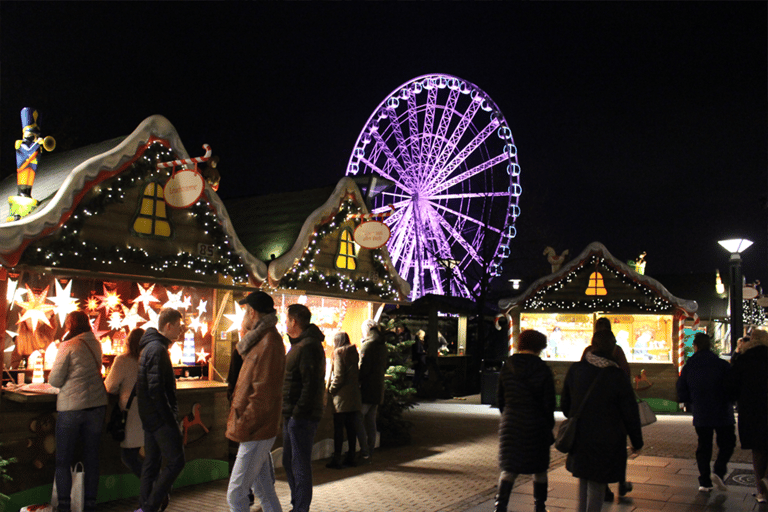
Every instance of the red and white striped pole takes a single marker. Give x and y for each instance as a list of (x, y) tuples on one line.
[(188, 161)]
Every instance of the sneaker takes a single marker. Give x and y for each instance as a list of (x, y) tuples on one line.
[(624, 488), (704, 488), (761, 498), (718, 481)]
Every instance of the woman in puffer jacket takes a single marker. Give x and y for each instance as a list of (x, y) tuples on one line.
[(81, 406), (345, 389)]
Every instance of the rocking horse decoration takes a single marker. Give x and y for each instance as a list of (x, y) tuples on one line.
[(555, 260)]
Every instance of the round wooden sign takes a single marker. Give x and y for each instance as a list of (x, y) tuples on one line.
[(183, 189), (372, 234)]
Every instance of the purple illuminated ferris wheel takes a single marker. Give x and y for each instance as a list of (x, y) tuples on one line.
[(447, 149)]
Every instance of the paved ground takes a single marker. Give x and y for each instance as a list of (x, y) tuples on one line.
[(451, 467)]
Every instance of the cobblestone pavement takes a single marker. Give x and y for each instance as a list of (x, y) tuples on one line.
[(451, 466)]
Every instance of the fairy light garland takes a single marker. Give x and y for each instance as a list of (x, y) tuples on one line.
[(69, 250), (753, 313), (653, 303), (305, 272)]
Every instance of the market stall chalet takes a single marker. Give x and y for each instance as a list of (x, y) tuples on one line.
[(309, 239), (110, 238), (647, 320)]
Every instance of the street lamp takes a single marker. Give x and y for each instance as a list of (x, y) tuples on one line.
[(736, 246)]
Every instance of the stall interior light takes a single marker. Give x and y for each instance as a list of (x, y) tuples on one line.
[(735, 245)]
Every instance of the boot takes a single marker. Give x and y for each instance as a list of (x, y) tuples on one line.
[(349, 460), (540, 496), (335, 462), (502, 495)]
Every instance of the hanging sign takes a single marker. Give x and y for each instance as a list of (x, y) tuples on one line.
[(184, 188), (372, 234)]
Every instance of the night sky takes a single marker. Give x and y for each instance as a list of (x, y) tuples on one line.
[(641, 125)]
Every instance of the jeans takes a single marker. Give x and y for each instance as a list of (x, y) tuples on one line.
[(253, 469), (73, 427), (298, 439), (369, 420), (726, 442), (591, 495), (130, 457), (165, 442)]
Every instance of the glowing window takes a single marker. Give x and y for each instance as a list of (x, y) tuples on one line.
[(346, 258), (596, 285), (151, 218)]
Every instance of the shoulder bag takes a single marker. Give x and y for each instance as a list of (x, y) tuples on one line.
[(118, 418), (566, 431)]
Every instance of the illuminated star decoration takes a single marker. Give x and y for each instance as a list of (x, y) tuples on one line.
[(35, 309), (203, 328), (109, 301), (13, 294), (145, 297), (132, 317), (92, 303), (174, 301), (194, 323), (95, 322), (202, 307), (64, 301), (187, 302), (236, 318), (202, 356), (152, 322), (115, 320)]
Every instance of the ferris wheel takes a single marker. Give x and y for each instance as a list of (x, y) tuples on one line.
[(449, 154)]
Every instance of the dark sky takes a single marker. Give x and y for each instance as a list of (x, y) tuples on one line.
[(641, 125)]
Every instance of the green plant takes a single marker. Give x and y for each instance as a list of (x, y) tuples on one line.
[(399, 396), (4, 476)]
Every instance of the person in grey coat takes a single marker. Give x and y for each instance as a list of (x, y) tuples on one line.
[(374, 361), (599, 454), (526, 398)]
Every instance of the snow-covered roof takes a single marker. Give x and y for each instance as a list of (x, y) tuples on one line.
[(61, 179), (577, 263)]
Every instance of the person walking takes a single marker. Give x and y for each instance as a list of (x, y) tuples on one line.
[(345, 390), (303, 402), (610, 413), (747, 384), (702, 385), (254, 416), (121, 381), (374, 360), (158, 409), (82, 405), (526, 399)]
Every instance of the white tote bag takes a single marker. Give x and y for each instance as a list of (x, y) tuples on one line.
[(77, 495)]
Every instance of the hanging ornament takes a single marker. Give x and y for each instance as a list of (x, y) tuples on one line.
[(35, 309), (202, 356), (202, 307), (92, 304), (64, 301), (152, 322), (145, 296), (174, 300), (132, 317), (236, 318)]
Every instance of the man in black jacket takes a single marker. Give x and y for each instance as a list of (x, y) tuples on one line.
[(156, 395), (303, 402), (374, 360)]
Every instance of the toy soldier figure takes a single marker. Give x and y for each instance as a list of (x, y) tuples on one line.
[(27, 153)]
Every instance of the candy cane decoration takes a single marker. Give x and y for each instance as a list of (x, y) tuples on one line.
[(510, 331), (188, 161), (372, 216), (681, 337)]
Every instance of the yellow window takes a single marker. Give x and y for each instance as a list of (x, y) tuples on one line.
[(151, 218), (346, 257), (596, 285)]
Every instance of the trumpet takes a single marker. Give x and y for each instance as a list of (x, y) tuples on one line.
[(48, 143)]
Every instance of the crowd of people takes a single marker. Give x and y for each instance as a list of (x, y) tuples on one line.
[(266, 387), (598, 392)]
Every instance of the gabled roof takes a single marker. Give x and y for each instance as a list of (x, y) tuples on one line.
[(579, 265), (61, 181), (700, 286)]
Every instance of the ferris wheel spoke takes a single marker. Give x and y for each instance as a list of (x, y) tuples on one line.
[(446, 184), (381, 172), (401, 225), (429, 123), (448, 148), (468, 195), (445, 121), (480, 223), (400, 138), (467, 150), (443, 248), (413, 128), (460, 239)]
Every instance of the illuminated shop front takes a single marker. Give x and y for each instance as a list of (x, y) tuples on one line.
[(645, 317)]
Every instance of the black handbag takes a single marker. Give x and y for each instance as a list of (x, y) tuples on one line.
[(118, 419), (566, 431)]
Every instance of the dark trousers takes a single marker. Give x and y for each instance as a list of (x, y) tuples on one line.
[(165, 442), (131, 459), (726, 442), (342, 421), (298, 439), (83, 427)]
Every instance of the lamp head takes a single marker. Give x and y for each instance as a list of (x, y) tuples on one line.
[(735, 245)]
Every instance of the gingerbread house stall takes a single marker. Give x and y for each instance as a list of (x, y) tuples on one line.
[(121, 229), (646, 319)]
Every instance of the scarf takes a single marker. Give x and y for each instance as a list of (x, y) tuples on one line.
[(600, 362), (253, 336)]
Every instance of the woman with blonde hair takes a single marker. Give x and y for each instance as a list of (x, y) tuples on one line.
[(121, 381)]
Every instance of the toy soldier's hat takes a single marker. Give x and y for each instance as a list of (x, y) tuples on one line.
[(29, 120)]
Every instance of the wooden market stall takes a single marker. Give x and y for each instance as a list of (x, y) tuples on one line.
[(646, 318), (119, 233)]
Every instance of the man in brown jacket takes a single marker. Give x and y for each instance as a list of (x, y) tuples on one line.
[(256, 403)]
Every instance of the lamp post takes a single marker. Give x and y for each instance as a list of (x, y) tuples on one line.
[(735, 247)]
